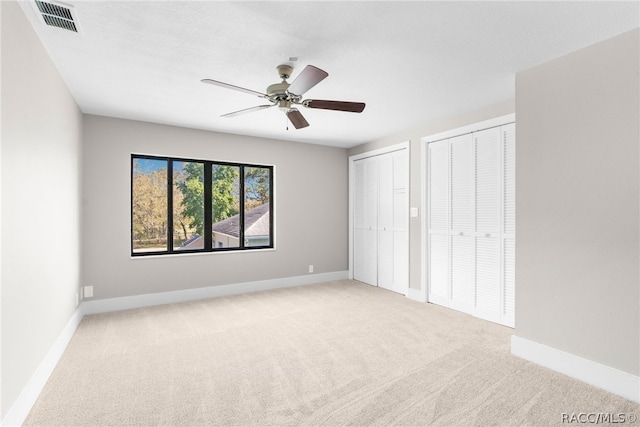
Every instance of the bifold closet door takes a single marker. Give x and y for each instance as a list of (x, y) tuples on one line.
[(365, 222), (471, 223), (380, 222), (385, 221), (393, 222), (487, 221), (438, 222), (400, 222), (462, 237)]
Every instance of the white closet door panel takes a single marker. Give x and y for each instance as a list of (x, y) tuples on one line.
[(385, 258), (488, 274), (462, 271), (358, 203), (488, 177), (438, 272), (400, 261), (365, 221), (438, 197), (370, 210), (462, 183), (365, 268), (509, 267), (509, 147), (359, 254), (400, 210), (400, 169), (370, 249), (360, 226), (385, 191), (400, 222), (400, 240)]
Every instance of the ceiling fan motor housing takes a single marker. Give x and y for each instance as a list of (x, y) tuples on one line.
[(284, 105), (278, 91)]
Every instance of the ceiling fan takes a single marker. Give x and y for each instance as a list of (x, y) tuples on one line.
[(286, 96)]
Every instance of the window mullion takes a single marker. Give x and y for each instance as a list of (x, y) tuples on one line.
[(208, 206), (170, 206), (241, 213)]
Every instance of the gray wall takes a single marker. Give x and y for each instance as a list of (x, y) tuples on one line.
[(577, 268), (310, 209), (415, 180), (41, 131)]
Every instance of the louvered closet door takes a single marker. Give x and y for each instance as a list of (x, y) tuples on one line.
[(400, 221), (463, 290), (509, 224), (488, 220), (471, 223), (439, 290), (358, 221), (385, 221), (381, 220), (365, 268)]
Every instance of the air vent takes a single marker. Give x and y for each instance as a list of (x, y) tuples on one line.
[(57, 15)]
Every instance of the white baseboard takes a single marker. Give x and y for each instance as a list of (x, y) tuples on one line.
[(23, 404), (415, 294), (602, 376), (147, 300)]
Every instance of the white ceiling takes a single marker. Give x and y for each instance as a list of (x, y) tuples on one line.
[(411, 62)]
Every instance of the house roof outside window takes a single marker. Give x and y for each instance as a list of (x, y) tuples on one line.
[(256, 223)]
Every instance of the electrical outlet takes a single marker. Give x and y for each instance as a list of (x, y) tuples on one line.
[(88, 291), (310, 268)]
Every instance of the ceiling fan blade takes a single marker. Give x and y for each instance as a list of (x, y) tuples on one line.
[(247, 110), (229, 86), (308, 78), (297, 119), (353, 107)]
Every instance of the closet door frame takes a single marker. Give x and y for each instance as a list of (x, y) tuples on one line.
[(385, 150), (424, 237)]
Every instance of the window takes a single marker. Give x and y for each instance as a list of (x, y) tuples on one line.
[(185, 206)]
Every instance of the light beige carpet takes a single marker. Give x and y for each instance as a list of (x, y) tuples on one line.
[(338, 353)]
